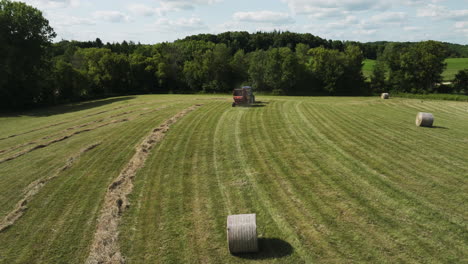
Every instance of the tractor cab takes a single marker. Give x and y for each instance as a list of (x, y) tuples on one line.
[(243, 96)]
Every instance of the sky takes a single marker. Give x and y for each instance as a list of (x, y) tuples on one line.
[(154, 21)]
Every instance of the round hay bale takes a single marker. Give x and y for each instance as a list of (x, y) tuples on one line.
[(385, 96), (242, 233), (424, 119)]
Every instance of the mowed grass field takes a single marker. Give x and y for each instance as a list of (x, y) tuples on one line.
[(331, 179), (454, 65)]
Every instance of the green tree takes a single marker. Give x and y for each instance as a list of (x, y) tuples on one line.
[(378, 77), (25, 36), (415, 68), (460, 83)]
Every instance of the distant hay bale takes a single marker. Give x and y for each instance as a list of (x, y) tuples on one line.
[(424, 119), (242, 233), (385, 96)]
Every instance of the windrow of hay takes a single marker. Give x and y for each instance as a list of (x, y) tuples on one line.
[(80, 126), (36, 186), (40, 146), (64, 122), (105, 246)]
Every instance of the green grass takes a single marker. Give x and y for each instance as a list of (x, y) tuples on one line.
[(450, 97), (331, 179), (454, 65)]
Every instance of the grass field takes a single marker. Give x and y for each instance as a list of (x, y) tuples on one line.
[(332, 180), (454, 65)]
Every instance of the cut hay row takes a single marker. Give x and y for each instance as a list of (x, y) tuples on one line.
[(36, 186), (64, 122), (10, 149), (105, 246), (62, 216), (81, 126), (60, 139)]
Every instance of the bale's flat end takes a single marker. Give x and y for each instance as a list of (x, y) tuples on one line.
[(242, 233), (424, 119)]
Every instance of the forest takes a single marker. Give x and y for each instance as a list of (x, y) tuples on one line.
[(36, 71)]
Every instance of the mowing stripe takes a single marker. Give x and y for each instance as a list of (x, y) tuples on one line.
[(40, 146), (105, 247), (36, 186)]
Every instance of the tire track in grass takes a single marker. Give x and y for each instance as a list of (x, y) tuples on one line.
[(200, 235), (371, 144), (172, 225), (182, 195), (64, 122), (71, 206), (280, 172), (427, 204), (394, 133), (295, 191), (152, 207), (332, 215), (344, 200), (266, 200), (36, 186), (80, 126), (60, 139), (61, 221), (391, 190), (178, 233), (342, 182), (105, 247)]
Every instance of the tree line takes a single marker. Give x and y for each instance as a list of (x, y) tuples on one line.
[(35, 71)]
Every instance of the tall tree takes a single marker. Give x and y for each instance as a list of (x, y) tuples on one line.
[(25, 36)]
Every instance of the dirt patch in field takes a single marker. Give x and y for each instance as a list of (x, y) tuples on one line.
[(105, 247), (36, 186), (40, 146)]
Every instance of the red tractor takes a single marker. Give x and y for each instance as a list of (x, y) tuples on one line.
[(243, 96)]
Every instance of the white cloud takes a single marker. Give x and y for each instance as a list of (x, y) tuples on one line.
[(68, 21), (462, 27), (310, 7), (411, 28), (325, 12), (276, 18), (389, 17), (142, 10), (178, 5), (111, 16), (344, 23), (180, 25), (442, 12), (42, 4)]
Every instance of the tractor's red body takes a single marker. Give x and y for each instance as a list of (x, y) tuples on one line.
[(243, 96)]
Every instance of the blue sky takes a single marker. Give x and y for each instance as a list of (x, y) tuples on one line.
[(153, 21)]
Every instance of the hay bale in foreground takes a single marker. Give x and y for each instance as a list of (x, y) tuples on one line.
[(385, 96), (242, 233), (424, 119)]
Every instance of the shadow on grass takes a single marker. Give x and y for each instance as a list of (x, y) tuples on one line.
[(256, 104), (440, 127), (67, 108), (269, 248)]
